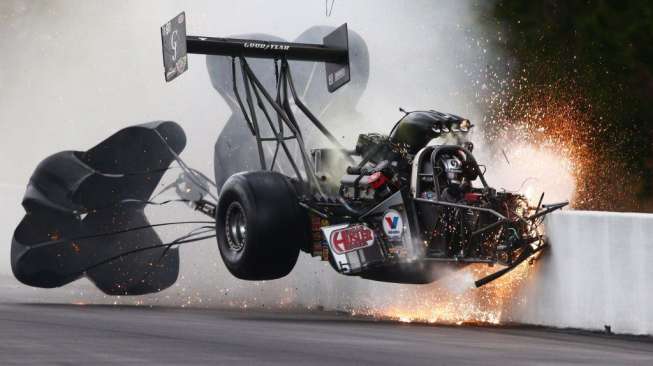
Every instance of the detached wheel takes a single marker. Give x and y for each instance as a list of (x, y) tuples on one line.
[(260, 225)]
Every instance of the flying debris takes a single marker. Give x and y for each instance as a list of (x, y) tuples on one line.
[(394, 208)]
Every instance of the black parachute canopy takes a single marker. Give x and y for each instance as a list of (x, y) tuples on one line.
[(85, 210)]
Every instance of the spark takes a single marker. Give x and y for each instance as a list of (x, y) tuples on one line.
[(556, 123), (439, 304)]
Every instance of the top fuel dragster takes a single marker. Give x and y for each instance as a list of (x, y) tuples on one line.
[(393, 208)]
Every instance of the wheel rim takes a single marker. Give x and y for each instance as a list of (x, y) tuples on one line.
[(236, 227)]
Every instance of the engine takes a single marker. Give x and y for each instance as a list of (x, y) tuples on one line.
[(382, 163), (377, 174)]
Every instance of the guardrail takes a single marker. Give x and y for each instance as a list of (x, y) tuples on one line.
[(597, 274)]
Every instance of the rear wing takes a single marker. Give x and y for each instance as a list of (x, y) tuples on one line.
[(334, 51)]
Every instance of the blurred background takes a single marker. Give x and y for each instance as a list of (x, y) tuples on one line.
[(560, 92)]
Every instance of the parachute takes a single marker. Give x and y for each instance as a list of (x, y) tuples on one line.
[(84, 211)]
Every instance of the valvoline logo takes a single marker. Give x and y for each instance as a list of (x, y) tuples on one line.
[(351, 238), (393, 225)]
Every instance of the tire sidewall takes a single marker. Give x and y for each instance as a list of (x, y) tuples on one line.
[(273, 223)]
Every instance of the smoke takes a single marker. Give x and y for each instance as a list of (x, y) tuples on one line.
[(73, 73)]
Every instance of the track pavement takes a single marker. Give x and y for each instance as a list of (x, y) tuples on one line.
[(138, 335)]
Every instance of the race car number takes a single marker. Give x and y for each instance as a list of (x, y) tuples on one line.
[(351, 238)]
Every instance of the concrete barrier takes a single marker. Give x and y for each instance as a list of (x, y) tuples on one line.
[(597, 273)]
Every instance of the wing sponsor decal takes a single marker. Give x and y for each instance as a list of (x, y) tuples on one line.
[(173, 38)]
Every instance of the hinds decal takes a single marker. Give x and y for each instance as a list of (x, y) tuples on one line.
[(351, 238)]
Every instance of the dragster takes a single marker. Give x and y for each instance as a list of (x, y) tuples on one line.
[(393, 208)]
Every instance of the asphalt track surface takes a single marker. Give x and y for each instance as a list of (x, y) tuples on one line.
[(51, 334)]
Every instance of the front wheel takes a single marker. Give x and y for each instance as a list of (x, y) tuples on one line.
[(260, 225)]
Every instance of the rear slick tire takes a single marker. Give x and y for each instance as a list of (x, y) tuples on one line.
[(260, 226)]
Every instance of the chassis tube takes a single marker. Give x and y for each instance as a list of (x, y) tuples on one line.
[(501, 219), (449, 204)]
